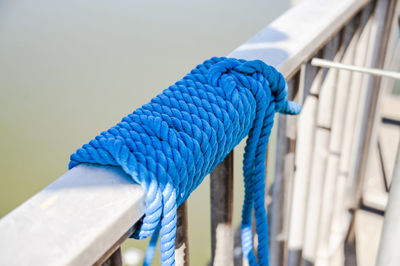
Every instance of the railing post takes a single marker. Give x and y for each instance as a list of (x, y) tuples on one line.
[(388, 249), (281, 195), (305, 134), (115, 259), (221, 213), (181, 241), (340, 88)]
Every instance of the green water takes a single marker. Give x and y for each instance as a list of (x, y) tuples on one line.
[(70, 69)]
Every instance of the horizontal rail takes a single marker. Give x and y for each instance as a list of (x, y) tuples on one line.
[(83, 214), (295, 36), (74, 220), (366, 70)]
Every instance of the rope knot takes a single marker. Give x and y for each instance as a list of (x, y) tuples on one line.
[(226, 74), (219, 75), (276, 83)]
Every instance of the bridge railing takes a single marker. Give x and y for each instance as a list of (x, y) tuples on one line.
[(84, 216)]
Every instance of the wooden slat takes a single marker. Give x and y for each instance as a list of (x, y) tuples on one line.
[(295, 36), (237, 248), (114, 248), (364, 56), (305, 136), (319, 160), (389, 254), (221, 187), (313, 143), (182, 237), (282, 185), (115, 259), (74, 220), (341, 88), (341, 142)]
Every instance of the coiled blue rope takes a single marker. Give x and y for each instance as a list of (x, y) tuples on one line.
[(169, 145)]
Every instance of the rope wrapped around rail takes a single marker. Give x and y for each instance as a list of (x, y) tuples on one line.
[(169, 145)]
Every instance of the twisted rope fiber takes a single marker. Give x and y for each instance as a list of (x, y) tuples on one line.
[(169, 145)]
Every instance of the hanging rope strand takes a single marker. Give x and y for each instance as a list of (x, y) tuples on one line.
[(169, 145)]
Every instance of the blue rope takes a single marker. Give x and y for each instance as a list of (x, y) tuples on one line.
[(169, 145)]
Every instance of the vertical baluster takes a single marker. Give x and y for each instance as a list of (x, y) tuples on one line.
[(341, 142), (309, 78), (343, 152), (388, 249), (340, 85), (343, 218), (320, 151), (221, 213), (312, 190), (342, 124), (289, 168), (113, 256), (181, 241), (115, 259), (282, 183), (237, 248), (362, 56)]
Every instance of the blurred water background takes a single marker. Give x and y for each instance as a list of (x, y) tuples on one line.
[(71, 69)]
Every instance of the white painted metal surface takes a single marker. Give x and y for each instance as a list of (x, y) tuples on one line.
[(293, 38), (74, 220)]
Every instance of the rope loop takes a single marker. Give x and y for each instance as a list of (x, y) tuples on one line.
[(169, 145)]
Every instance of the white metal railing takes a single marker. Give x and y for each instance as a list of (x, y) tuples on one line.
[(82, 217), (73, 221)]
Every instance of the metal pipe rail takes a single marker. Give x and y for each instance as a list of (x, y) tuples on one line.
[(83, 217)]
